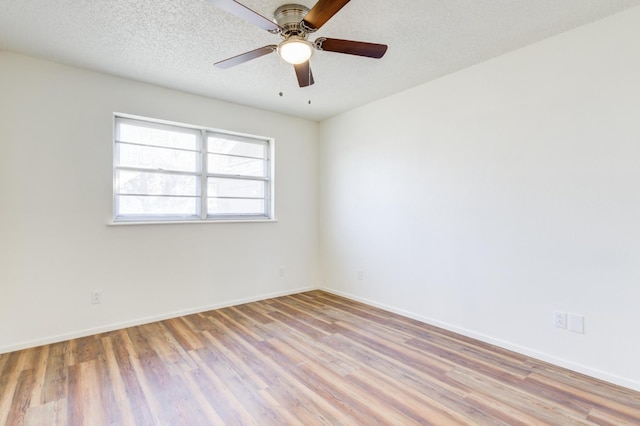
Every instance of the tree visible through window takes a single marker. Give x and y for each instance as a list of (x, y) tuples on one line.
[(168, 172)]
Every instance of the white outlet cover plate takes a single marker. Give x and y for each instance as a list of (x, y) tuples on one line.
[(559, 319), (576, 323), (96, 297)]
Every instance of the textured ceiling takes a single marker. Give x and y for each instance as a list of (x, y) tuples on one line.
[(174, 43)]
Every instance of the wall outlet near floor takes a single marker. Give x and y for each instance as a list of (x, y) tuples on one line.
[(96, 297), (281, 271), (360, 274), (576, 323), (559, 319)]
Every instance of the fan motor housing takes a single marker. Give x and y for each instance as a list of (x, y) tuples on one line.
[(288, 17)]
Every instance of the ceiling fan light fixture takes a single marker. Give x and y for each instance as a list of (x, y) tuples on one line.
[(295, 50), (294, 23)]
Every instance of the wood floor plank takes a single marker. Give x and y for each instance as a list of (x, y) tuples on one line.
[(311, 358), (181, 332), (290, 391), (397, 413), (500, 412), (254, 313), (429, 385), (230, 385), (40, 369), (168, 394), (221, 318), (467, 361), (119, 387), (316, 378), (49, 414), (579, 381), (126, 368), (197, 322), (540, 408), (214, 389), (4, 359), (581, 399), (609, 419), (210, 413), (21, 398), (9, 383), (170, 350), (55, 382), (142, 394), (406, 400)]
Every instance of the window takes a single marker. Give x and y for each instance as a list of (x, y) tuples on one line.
[(168, 172)]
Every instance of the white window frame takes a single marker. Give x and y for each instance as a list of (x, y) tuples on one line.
[(201, 133)]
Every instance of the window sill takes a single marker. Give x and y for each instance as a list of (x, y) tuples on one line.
[(181, 222)]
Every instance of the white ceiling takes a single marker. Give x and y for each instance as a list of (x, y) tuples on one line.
[(174, 43)]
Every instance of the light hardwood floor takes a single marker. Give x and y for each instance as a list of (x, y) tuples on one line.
[(311, 358)]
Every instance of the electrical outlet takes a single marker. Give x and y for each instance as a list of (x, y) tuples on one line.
[(281, 271), (96, 297), (360, 275), (559, 319)]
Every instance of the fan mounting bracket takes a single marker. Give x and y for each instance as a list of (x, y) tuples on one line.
[(289, 17), (318, 43)]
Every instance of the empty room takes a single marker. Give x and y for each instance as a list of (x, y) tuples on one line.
[(327, 212)]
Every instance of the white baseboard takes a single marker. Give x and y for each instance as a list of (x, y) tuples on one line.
[(145, 320), (542, 356)]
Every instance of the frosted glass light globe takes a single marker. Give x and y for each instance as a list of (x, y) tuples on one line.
[(295, 50)]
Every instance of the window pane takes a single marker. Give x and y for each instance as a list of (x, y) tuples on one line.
[(159, 137), (225, 146), (234, 206), (130, 182), (162, 206), (159, 171), (157, 158), (235, 165), (217, 187)]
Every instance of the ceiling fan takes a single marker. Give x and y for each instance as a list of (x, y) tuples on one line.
[(294, 23)]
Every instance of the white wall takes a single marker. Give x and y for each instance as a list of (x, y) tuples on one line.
[(55, 203), (487, 199)]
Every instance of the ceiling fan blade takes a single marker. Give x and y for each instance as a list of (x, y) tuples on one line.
[(242, 11), (320, 13), (360, 48), (303, 72), (244, 57)]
